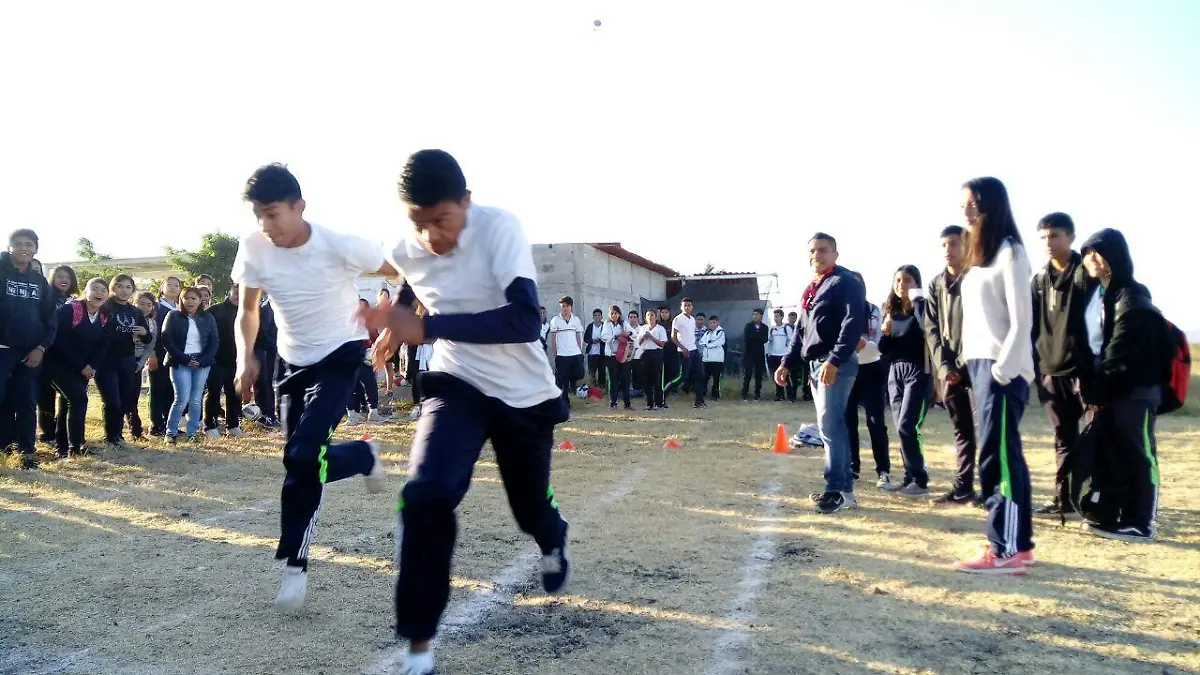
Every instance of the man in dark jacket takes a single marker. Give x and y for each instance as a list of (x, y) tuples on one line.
[(267, 352), (220, 376), (754, 354), (1126, 392), (833, 319), (1061, 354), (943, 336), (27, 329)]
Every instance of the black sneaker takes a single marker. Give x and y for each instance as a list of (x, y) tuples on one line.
[(832, 502), (953, 497), (1050, 510), (699, 405), (1128, 533), (664, 407), (28, 461), (556, 568), (629, 406), (172, 440)]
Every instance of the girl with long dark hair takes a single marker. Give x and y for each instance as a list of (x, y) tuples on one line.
[(909, 386), (65, 286), (615, 333), (997, 302), (117, 378), (72, 361), (870, 392), (190, 336)]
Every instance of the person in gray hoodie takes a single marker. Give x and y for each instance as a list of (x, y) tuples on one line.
[(27, 329)]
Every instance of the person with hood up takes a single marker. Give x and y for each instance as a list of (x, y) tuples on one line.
[(27, 329), (1127, 390)]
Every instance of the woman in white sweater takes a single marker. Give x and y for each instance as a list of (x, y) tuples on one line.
[(997, 306)]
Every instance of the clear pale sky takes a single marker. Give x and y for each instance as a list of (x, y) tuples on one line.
[(692, 132)]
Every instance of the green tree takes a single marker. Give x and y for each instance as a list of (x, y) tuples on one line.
[(95, 264), (215, 258)]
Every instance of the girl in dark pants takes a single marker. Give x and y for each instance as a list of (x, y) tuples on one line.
[(71, 363), (144, 353), (651, 339), (997, 305), (870, 392), (162, 393), (117, 377), (614, 333), (65, 286), (909, 384)]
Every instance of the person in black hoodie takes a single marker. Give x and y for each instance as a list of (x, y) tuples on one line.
[(64, 286), (909, 384), (1061, 354), (117, 378), (266, 350), (27, 329), (1126, 390), (220, 376), (190, 335), (754, 354), (161, 392), (72, 362)]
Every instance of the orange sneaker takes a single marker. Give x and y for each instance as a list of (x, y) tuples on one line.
[(989, 563), (1027, 558)]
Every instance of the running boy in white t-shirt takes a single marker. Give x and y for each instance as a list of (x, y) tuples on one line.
[(473, 269), (310, 273)]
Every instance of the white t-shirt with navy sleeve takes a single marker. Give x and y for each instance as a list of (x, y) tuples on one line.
[(492, 252), (311, 289)]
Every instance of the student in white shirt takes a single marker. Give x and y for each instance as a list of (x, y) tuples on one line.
[(997, 301), (650, 339), (566, 343), (870, 392), (712, 345), (779, 340), (618, 355), (683, 334), (472, 268), (310, 273), (635, 371)]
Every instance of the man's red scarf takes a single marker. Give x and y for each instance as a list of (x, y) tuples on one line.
[(810, 293)]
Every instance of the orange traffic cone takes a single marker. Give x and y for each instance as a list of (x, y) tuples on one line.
[(566, 445), (781, 441), (672, 444)]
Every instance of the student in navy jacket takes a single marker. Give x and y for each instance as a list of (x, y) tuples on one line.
[(64, 286), (72, 362), (117, 377), (161, 392), (191, 339), (27, 329)]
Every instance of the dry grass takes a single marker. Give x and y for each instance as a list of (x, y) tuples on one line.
[(701, 560)]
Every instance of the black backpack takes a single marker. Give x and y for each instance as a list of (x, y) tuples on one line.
[(1091, 486)]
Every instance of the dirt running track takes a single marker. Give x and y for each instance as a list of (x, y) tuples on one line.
[(704, 560)]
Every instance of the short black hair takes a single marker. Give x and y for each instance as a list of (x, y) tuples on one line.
[(825, 237), (686, 299), (202, 277), (714, 317), (24, 232), (950, 231), (566, 300), (431, 177), (1057, 221), (272, 183), (757, 311), (699, 315), (793, 314), (778, 312), (597, 311)]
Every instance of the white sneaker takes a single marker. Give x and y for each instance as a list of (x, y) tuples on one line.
[(353, 419), (851, 502), (292, 590), (236, 432), (376, 417), (418, 664), (376, 480), (415, 414), (214, 434), (885, 482)]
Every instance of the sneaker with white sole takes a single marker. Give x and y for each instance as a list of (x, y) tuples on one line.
[(556, 568), (353, 418), (987, 562), (418, 664), (914, 490), (293, 589), (376, 417), (213, 434), (376, 480), (885, 482), (1126, 533), (236, 432)]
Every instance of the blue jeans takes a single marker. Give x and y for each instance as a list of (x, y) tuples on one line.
[(831, 402), (189, 389)]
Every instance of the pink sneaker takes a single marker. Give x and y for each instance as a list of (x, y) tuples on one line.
[(989, 563), (1027, 558)]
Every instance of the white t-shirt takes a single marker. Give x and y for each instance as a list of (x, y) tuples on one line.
[(492, 252), (634, 331), (611, 334), (779, 340), (567, 334), (686, 326), (655, 331), (191, 345), (312, 289), (596, 347)]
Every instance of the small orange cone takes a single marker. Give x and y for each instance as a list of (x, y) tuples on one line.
[(781, 441), (365, 437), (672, 444), (566, 445)]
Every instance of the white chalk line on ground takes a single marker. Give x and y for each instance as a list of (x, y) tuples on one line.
[(759, 556), (504, 585)]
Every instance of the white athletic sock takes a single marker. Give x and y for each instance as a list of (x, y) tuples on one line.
[(418, 664)]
